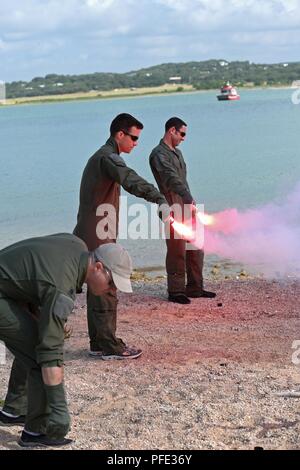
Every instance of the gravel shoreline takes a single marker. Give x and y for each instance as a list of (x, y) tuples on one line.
[(209, 378)]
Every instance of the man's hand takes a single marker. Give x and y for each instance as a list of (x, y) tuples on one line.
[(194, 209), (187, 198), (190, 211), (164, 213)]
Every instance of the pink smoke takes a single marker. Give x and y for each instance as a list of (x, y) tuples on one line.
[(267, 238)]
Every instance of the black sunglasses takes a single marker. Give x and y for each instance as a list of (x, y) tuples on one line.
[(183, 134), (109, 277), (134, 138)]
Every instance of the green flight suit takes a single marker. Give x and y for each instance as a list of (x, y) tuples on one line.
[(103, 175), (40, 275), (169, 170)]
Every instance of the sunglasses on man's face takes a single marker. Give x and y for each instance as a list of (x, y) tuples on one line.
[(134, 138), (109, 278), (183, 134)]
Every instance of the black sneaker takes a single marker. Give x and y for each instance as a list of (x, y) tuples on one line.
[(128, 353), (27, 440), (179, 298), (203, 293), (11, 420)]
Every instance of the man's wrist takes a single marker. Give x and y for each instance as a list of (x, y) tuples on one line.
[(187, 198), (161, 200)]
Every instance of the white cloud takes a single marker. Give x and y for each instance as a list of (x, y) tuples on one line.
[(120, 35), (236, 13), (99, 4), (135, 15), (270, 38), (54, 15)]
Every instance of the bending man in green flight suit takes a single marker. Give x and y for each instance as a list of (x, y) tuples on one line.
[(43, 275)]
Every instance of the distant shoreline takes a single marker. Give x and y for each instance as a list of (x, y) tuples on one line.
[(119, 93), (96, 95)]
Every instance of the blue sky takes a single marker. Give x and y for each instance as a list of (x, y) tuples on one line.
[(38, 37)]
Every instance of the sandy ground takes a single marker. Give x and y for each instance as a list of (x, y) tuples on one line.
[(209, 376)]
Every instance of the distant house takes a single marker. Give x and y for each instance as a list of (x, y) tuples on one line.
[(175, 79), (223, 63), (295, 84)]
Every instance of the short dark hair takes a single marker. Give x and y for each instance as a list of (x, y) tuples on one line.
[(123, 122), (174, 122)]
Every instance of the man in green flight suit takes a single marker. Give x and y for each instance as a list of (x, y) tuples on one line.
[(39, 279), (98, 220), (169, 170)]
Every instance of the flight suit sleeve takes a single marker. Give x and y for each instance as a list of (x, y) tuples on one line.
[(170, 178), (54, 311), (116, 168)]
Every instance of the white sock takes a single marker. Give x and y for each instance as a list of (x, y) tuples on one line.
[(9, 415), (32, 433)]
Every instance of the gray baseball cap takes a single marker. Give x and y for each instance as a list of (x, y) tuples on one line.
[(118, 261)]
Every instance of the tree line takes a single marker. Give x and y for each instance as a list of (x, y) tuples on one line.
[(210, 74)]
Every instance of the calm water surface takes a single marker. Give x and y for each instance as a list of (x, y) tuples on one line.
[(239, 154)]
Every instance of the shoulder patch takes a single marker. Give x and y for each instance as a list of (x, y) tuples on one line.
[(63, 306)]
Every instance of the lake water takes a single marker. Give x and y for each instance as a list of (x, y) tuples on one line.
[(239, 154)]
